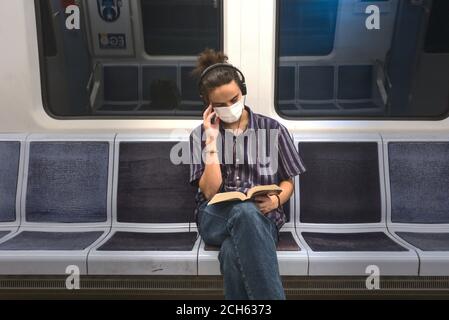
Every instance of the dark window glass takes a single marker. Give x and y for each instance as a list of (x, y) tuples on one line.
[(307, 27), (331, 65), (128, 58), (180, 27), (437, 37)]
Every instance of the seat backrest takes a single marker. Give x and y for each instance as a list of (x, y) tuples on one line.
[(150, 188), (3, 233), (114, 78), (342, 183), (286, 208), (9, 173), (67, 181), (419, 182), (160, 87)]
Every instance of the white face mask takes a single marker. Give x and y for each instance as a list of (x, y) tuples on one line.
[(231, 114)]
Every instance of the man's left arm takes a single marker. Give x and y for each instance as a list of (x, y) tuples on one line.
[(290, 165), (267, 203)]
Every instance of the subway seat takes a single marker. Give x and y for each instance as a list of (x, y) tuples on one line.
[(342, 217), (11, 163), (418, 202), (64, 204), (153, 206), (118, 205)]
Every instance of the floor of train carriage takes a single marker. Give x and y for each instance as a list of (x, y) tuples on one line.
[(211, 287)]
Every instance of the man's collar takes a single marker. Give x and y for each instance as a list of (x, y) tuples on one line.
[(251, 120)]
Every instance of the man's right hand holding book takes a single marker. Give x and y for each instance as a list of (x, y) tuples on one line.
[(267, 202)]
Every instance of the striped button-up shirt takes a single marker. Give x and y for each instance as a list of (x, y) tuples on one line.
[(263, 154)]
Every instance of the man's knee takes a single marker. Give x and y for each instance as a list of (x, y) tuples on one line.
[(247, 211)]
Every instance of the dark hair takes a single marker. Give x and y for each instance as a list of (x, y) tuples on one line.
[(216, 77)]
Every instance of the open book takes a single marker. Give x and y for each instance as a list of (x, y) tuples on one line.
[(236, 195)]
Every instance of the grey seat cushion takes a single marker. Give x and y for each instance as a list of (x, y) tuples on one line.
[(151, 189), (3, 233), (9, 170), (286, 243), (427, 241), (341, 184), (31, 240), (367, 241), (419, 180), (139, 241), (67, 182)]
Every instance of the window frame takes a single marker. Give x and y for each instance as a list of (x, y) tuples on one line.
[(44, 84), (280, 113)]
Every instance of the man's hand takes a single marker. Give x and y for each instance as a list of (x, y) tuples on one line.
[(211, 130), (266, 203)]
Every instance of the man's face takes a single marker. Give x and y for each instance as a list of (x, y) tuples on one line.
[(225, 95)]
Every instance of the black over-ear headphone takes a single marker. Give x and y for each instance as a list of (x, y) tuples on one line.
[(242, 83)]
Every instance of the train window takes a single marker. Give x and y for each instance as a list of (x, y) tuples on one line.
[(331, 65), (124, 58), (438, 31), (307, 28), (180, 27)]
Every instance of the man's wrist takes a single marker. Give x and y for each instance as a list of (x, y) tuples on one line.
[(211, 145), (211, 157), (278, 201), (211, 140)]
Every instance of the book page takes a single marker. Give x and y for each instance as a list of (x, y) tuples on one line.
[(259, 190), (227, 196)]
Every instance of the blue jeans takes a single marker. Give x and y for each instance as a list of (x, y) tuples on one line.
[(248, 240)]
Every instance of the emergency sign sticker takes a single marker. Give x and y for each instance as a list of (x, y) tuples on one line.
[(112, 40)]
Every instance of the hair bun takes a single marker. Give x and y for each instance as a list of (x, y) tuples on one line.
[(207, 58)]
